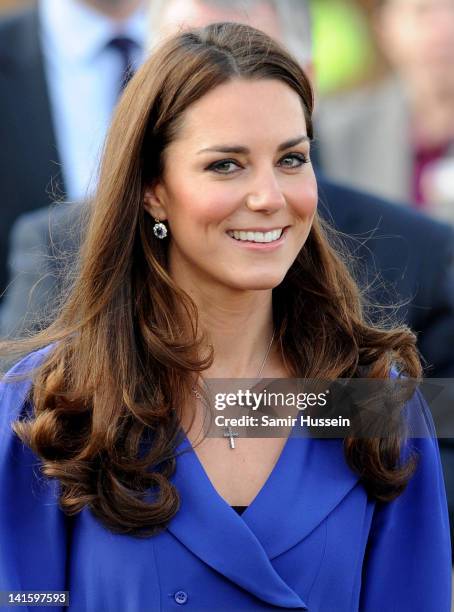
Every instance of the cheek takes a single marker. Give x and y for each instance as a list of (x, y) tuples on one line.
[(205, 205), (305, 200)]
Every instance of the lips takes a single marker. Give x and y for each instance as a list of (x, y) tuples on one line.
[(256, 236)]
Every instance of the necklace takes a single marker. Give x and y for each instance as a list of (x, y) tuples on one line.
[(229, 433)]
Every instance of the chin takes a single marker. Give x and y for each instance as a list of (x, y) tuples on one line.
[(261, 282)]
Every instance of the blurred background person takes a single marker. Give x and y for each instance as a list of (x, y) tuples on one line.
[(396, 138), (62, 66)]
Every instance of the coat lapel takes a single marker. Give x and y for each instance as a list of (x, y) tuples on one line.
[(308, 481), (216, 534)]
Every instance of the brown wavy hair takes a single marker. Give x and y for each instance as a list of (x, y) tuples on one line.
[(107, 399)]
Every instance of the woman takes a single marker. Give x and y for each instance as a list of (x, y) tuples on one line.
[(205, 258)]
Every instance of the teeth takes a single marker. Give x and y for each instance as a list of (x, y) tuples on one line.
[(256, 236)]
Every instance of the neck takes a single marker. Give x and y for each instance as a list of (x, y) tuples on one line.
[(239, 327), (118, 10)]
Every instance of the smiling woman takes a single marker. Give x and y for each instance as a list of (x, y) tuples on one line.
[(205, 254)]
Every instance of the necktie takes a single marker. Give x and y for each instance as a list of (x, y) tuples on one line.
[(125, 48)]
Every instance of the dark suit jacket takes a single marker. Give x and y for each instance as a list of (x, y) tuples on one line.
[(411, 253), (29, 162)]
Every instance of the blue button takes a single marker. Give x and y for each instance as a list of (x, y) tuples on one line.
[(181, 597)]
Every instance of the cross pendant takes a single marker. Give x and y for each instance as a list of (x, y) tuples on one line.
[(232, 435)]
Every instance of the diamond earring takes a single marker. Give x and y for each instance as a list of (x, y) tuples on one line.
[(159, 229)]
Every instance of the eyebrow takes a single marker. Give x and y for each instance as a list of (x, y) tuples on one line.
[(244, 150)]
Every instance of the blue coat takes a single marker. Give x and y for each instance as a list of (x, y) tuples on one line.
[(310, 540)]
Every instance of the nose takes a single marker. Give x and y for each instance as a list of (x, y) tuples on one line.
[(266, 194)]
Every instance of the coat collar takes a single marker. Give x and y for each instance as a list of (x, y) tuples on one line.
[(242, 548)]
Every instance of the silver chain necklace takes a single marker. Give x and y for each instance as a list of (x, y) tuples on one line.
[(229, 433)]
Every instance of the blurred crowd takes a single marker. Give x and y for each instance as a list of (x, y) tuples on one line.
[(384, 74), (383, 71), (393, 133)]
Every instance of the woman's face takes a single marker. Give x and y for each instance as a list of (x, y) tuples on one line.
[(238, 191)]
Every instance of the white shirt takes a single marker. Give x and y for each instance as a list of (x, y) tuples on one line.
[(83, 78)]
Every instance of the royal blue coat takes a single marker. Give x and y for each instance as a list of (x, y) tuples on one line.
[(310, 540)]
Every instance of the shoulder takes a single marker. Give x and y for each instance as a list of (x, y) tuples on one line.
[(15, 386), (33, 529), (56, 223), (408, 563), (420, 441), (24, 368), (57, 216), (341, 204), (419, 433), (419, 421)]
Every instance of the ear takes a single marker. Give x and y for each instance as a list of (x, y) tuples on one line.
[(154, 201)]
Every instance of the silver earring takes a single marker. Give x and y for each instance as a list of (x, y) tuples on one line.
[(159, 229)]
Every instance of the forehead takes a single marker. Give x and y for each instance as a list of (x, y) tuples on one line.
[(261, 111), (177, 14)]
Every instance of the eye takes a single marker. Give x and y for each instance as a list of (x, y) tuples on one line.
[(224, 166), (294, 160)]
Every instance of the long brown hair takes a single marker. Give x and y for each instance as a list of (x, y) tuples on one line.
[(107, 397)]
